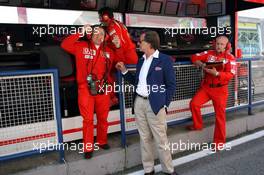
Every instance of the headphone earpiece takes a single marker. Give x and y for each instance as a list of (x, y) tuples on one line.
[(228, 47)]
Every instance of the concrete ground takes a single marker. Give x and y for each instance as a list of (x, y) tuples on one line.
[(121, 161)]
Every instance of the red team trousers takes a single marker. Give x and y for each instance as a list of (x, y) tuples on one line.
[(203, 95), (88, 105)]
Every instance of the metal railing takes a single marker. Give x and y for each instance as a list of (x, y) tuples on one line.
[(30, 118)]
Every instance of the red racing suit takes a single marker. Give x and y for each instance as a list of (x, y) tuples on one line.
[(214, 88), (129, 56), (119, 29), (95, 61)]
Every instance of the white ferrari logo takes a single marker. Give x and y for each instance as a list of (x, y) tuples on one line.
[(211, 58)]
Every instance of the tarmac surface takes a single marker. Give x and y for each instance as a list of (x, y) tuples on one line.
[(244, 159)]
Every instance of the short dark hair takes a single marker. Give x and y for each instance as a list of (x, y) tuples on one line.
[(107, 10), (153, 39)]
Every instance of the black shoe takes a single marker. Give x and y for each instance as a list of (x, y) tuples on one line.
[(88, 155), (174, 173), (150, 173), (105, 146), (192, 128)]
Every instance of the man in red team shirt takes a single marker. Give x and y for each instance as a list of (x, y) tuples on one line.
[(93, 62), (116, 28), (214, 87)]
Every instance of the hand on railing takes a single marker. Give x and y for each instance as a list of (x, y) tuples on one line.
[(121, 67)]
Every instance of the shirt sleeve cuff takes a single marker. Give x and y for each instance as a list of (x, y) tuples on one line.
[(124, 73)]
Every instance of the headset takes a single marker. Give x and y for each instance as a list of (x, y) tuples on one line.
[(228, 46)]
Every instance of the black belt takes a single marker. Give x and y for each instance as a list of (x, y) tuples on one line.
[(216, 85), (145, 98)]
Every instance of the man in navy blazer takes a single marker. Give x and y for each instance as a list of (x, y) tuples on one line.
[(161, 74), (155, 83)]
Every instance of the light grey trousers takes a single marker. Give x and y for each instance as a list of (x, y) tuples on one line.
[(152, 126)]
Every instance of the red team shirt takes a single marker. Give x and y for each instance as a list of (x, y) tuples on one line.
[(88, 57), (119, 29), (225, 74)]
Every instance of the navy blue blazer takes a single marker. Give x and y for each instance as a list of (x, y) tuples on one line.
[(161, 74)]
